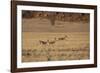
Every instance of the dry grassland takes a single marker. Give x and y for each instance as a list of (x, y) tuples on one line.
[(74, 47)]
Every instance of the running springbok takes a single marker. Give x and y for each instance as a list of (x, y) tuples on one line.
[(43, 42), (63, 38)]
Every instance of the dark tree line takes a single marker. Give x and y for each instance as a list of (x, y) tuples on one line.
[(52, 16)]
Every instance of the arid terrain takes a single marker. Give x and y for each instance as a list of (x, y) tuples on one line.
[(75, 47), (65, 40)]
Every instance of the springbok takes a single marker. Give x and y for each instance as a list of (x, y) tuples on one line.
[(51, 42), (43, 42), (63, 38)]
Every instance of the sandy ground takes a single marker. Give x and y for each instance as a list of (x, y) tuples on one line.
[(73, 47), (44, 25)]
